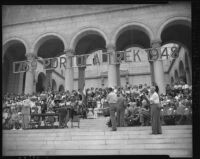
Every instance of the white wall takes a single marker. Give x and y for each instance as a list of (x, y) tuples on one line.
[(59, 81)]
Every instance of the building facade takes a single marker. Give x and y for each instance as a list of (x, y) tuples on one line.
[(52, 30)]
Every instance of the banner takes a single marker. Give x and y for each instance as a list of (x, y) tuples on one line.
[(84, 60)]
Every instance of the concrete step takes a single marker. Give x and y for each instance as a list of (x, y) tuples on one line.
[(88, 146), (95, 137), (71, 132), (49, 131), (54, 152), (107, 141), (92, 139)]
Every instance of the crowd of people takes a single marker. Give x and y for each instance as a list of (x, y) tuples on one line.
[(176, 106), (17, 109)]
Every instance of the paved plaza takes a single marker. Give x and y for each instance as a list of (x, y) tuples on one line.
[(95, 138)]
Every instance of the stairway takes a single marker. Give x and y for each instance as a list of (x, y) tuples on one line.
[(95, 138)]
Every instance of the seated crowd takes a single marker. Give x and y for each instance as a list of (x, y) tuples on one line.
[(176, 105), (18, 109)]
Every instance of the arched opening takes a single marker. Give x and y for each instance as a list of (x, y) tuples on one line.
[(13, 82), (176, 76), (132, 38), (179, 32), (48, 47), (54, 86), (61, 88), (51, 48), (41, 83), (87, 42)]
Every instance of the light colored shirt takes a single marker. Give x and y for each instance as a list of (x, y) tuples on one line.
[(155, 98), (39, 109), (112, 97)]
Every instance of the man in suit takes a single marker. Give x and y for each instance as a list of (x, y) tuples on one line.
[(145, 113), (121, 106), (112, 100)]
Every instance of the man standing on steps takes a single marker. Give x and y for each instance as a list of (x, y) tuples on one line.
[(121, 106), (112, 101)]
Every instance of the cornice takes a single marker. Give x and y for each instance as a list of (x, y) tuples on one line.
[(83, 15)]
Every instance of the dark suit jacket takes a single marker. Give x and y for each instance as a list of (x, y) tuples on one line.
[(121, 102)]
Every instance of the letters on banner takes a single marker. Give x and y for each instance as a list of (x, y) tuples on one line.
[(117, 57)]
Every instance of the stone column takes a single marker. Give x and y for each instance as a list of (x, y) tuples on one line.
[(29, 83), (152, 72), (69, 71), (112, 68), (49, 79), (20, 88), (118, 75), (81, 78), (158, 68)]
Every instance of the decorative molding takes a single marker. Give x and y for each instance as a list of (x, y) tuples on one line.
[(83, 15)]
